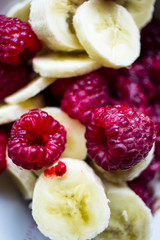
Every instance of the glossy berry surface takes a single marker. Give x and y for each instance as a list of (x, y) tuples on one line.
[(18, 42), (84, 96), (118, 137), (58, 170), (36, 140), (3, 144), (12, 79)]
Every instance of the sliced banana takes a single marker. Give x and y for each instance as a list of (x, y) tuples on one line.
[(11, 112), (128, 175), (24, 179), (130, 217), (141, 10), (63, 65), (51, 20), (71, 207), (20, 10), (110, 35), (76, 143), (30, 90)]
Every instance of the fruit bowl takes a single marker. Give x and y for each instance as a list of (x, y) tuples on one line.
[(17, 222)]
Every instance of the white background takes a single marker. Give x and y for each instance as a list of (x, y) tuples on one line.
[(16, 222)]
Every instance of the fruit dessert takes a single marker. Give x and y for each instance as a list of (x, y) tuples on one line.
[(79, 115)]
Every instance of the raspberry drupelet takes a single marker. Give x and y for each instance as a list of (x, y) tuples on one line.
[(12, 79), (83, 97), (18, 42), (36, 140), (118, 137), (3, 144)]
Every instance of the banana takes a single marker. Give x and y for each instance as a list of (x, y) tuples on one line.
[(51, 20), (73, 206), (63, 65), (76, 143), (11, 112), (110, 35), (130, 217), (20, 10), (124, 176), (141, 11), (24, 179), (30, 90)]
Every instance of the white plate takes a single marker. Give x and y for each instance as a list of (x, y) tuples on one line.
[(16, 222)]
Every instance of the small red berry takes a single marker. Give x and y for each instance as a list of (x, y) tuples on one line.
[(59, 170), (36, 140), (3, 144), (18, 42), (118, 137)]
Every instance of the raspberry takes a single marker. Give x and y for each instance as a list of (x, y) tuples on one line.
[(36, 140), (118, 137), (12, 79), (58, 170), (59, 87), (3, 144), (84, 96), (150, 37), (18, 42)]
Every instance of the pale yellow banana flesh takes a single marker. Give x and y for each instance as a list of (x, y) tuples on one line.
[(130, 217), (63, 65), (20, 10), (110, 35), (75, 202)]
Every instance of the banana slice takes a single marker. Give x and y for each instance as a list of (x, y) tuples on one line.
[(30, 90), (130, 217), (110, 35), (71, 207), (76, 143), (63, 65), (11, 112), (24, 179), (20, 10), (141, 11), (128, 175), (51, 20)]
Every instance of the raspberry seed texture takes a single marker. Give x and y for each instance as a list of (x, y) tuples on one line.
[(36, 140), (118, 137)]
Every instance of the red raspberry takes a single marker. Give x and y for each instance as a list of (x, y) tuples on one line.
[(3, 144), (18, 42), (12, 79), (59, 87), (58, 170), (36, 140), (150, 37), (118, 137), (84, 96)]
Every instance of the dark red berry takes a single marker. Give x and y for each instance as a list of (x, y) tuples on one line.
[(119, 137), (36, 140), (84, 96), (3, 144), (12, 79), (18, 42)]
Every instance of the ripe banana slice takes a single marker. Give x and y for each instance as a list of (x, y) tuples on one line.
[(20, 10), (110, 35), (130, 217), (24, 179), (141, 11), (11, 112), (76, 143), (63, 65), (128, 175), (71, 207), (51, 20), (30, 90)]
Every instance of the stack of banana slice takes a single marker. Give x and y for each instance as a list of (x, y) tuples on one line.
[(78, 37)]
